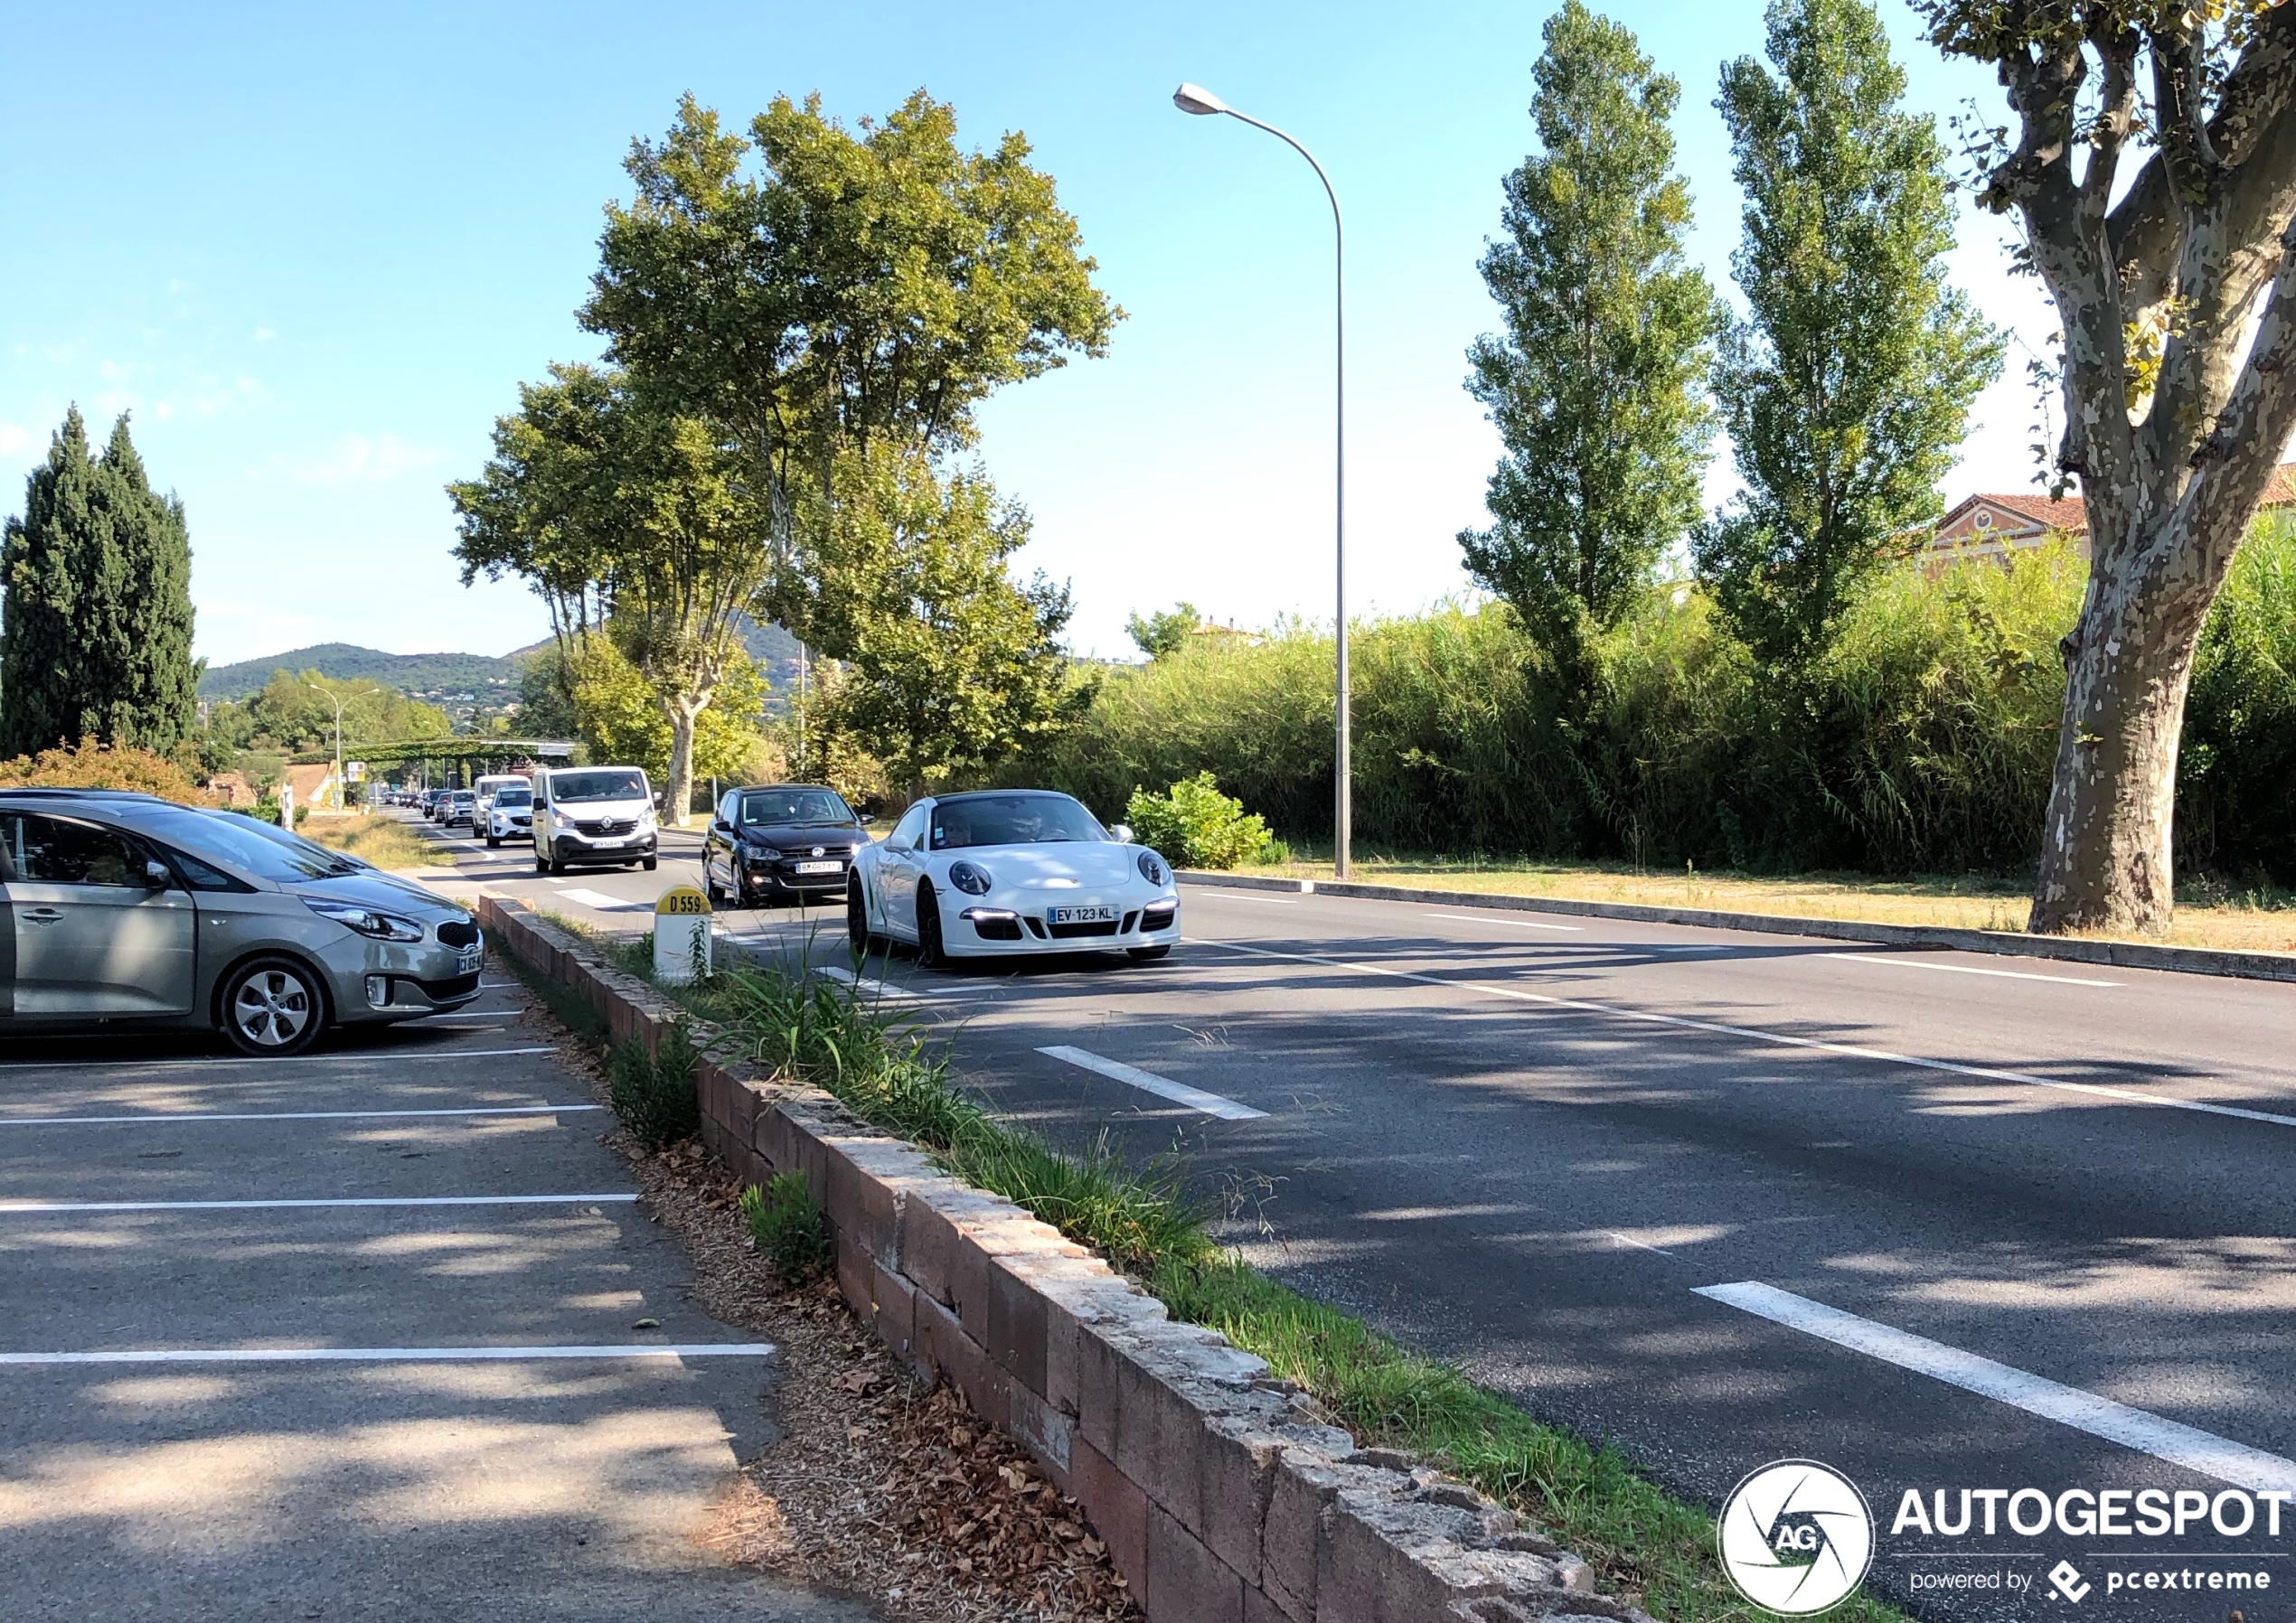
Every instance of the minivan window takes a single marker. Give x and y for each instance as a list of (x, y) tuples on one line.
[(59, 850), (571, 787), (268, 853)]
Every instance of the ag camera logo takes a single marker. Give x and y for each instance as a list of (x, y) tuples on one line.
[(1796, 1537)]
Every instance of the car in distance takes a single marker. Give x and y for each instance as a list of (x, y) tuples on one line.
[(779, 843), (591, 816), (1006, 872), (127, 912), (510, 815), (459, 808)]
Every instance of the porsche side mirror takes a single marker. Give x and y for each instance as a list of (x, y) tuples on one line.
[(1123, 831)]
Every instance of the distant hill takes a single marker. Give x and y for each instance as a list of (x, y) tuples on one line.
[(440, 675)]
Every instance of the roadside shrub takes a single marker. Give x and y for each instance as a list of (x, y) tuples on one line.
[(1194, 825), (789, 1229), (95, 764), (654, 1096)]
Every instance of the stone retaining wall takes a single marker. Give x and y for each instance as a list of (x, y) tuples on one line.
[(1218, 1489)]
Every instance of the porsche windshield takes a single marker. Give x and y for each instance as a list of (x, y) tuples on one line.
[(774, 808), (1011, 819)]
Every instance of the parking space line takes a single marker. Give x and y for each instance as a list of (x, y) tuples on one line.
[(400, 1355), (16, 1208), (2203, 1452), (474, 1109), (1756, 1034), (339, 1059), (599, 901), (1163, 1087), (869, 984)]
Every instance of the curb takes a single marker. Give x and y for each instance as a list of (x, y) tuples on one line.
[(2118, 955), (1223, 1494)]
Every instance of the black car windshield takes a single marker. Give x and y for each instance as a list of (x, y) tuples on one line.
[(515, 797), (1011, 819), (568, 787), (266, 852), (770, 807)]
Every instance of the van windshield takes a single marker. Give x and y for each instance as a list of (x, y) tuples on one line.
[(615, 784)]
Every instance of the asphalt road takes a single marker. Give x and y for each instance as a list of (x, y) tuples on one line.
[(393, 1203), (1975, 1223)]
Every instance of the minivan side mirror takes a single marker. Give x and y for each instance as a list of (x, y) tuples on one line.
[(1123, 831), (159, 875)]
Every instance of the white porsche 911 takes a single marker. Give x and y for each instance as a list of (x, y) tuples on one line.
[(1011, 872)]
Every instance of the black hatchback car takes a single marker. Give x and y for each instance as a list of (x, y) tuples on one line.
[(780, 843)]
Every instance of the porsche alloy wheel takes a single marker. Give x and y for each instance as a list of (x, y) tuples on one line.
[(930, 952), (857, 918)]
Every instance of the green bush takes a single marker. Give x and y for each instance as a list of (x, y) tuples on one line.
[(1196, 826), (788, 1228), (654, 1096)]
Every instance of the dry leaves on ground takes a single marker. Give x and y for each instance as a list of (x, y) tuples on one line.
[(879, 1486)]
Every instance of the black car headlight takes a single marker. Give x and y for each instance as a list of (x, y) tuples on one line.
[(972, 880), (366, 921), (1152, 869)]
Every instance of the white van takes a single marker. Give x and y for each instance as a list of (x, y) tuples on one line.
[(593, 816), (486, 787)]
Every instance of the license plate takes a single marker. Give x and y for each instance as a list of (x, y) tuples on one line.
[(1084, 916), (604, 843), (467, 960), (820, 868)]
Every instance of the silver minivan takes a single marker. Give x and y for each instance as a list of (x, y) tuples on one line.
[(123, 911)]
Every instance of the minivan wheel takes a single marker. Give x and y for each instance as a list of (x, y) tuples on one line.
[(272, 1008)]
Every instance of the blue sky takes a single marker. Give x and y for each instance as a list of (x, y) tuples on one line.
[(314, 251)]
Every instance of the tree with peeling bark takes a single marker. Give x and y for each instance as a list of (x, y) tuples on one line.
[(632, 524), (2176, 287)]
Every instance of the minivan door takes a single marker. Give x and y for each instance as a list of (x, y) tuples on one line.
[(95, 932)]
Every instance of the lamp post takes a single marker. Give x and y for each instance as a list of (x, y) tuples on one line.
[(1195, 99), (338, 741)]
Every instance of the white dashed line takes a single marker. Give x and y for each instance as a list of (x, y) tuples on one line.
[(1519, 924), (476, 1110), (1163, 1087), (2178, 1444), (1959, 968)]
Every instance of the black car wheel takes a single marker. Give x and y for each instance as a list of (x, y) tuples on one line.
[(542, 863), (930, 953), (272, 1008), (709, 887)]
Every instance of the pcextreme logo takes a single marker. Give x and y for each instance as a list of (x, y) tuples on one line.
[(1796, 1537)]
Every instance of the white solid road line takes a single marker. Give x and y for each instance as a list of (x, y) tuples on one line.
[(400, 1354), (1755, 1034), (1519, 924), (12, 1208), (475, 1014), (476, 1110), (339, 1059), (1247, 896), (1959, 968), (1163, 1087), (2195, 1450), (883, 989)]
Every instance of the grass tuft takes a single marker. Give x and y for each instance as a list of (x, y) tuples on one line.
[(791, 1233), (654, 1095)]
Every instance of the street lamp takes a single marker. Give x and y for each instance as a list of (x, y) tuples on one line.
[(338, 742), (1195, 99)]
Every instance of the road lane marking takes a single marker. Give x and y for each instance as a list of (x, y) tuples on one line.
[(883, 989), (1959, 968), (358, 1059), (475, 1014), (599, 900), (1755, 1034), (13, 1208), (1519, 924), (2203, 1452), (1163, 1087), (400, 1354), (497, 1110), (1246, 895)]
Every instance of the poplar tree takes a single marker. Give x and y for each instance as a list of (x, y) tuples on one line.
[(96, 631), (1594, 385), (1846, 390)]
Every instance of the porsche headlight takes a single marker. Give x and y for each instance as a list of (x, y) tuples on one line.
[(1152, 869), (366, 921), (972, 880)]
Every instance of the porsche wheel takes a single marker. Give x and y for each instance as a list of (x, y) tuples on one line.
[(857, 919), (930, 954)]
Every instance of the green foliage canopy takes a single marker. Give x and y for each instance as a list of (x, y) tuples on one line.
[(1594, 385), (96, 634), (1847, 390), (1159, 634)]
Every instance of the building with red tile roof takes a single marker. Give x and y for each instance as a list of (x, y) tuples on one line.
[(1994, 523)]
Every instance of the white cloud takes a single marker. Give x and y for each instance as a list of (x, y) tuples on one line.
[(14, 439), (354, 459), (264, 335)]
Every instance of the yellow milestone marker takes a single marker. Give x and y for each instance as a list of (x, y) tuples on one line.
[(681, 935)]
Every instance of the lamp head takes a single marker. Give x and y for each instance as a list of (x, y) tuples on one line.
[(1195, 99)]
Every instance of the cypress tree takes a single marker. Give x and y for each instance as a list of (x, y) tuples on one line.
[(96, 631)]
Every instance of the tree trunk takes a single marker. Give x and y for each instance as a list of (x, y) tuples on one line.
[(678, 799), (2106, 847)]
